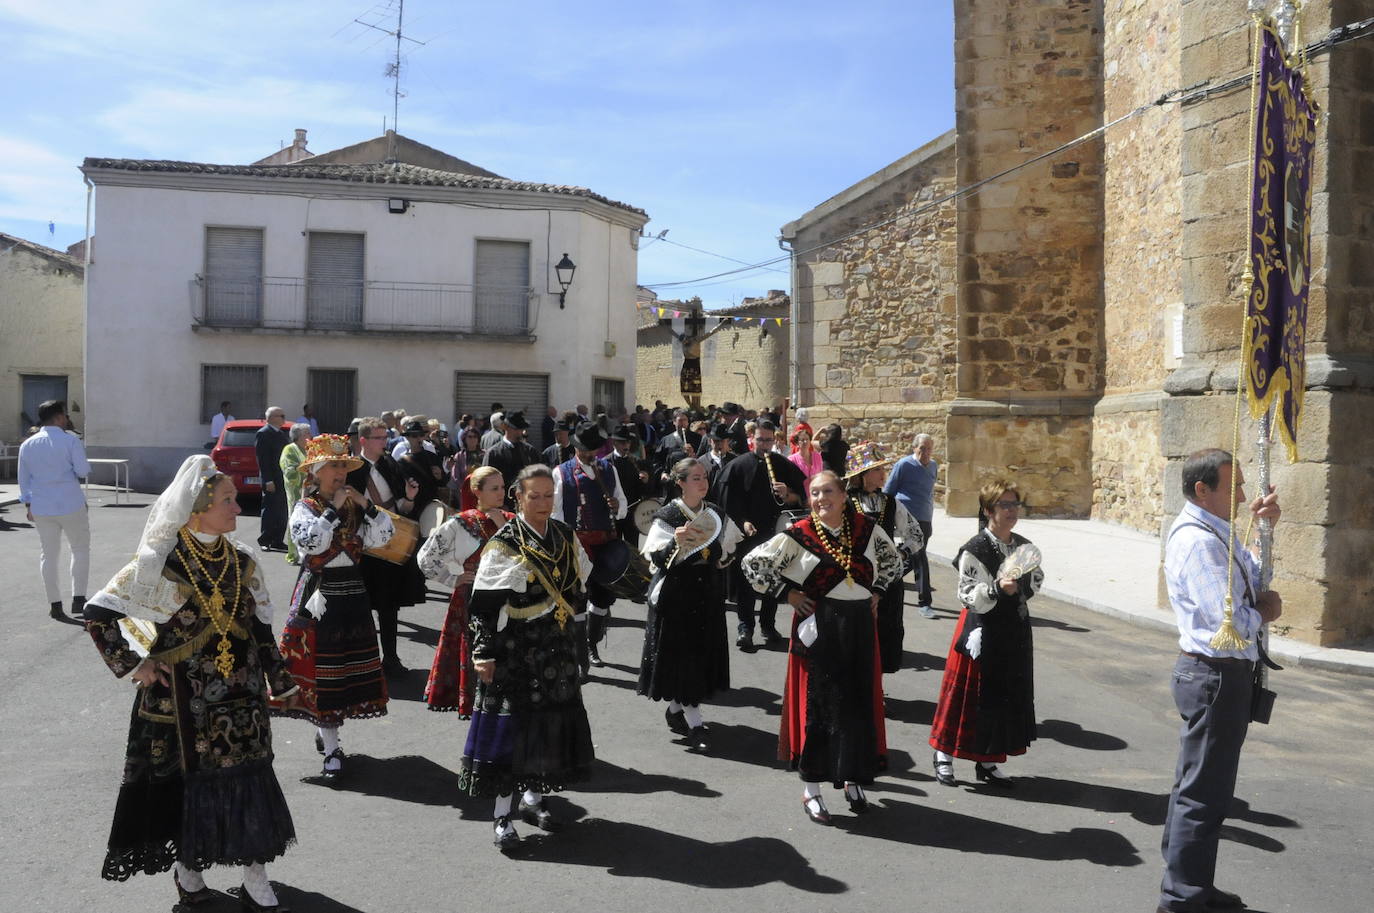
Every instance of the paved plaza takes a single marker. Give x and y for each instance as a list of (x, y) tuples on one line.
[(661, 828)]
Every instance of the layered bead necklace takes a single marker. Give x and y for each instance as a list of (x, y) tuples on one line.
[(214, 605), (840, 550)]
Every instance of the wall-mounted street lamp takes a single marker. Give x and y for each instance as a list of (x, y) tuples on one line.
[(565, 269)]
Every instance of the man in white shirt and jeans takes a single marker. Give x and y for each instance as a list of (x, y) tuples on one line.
[(1211, 686), (52, 464)]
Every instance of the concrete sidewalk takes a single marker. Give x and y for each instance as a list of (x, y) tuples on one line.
[(1113, 570)]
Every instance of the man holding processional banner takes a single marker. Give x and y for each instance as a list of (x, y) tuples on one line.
[(1219, 591)]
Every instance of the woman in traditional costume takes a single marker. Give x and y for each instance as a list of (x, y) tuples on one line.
[(450, 557), (529, 729), (190, 622), (866, 471), (833, 568), (686, 655), (986, 709), (291, 456), (329, 643)]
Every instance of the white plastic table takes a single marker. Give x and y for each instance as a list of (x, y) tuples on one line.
[(119, 466)]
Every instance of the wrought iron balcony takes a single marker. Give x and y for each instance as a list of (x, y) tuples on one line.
[(303, 304)]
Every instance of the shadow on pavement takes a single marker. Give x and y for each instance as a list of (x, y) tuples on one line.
[(420, 634), (635, 851), (768, 701), (1075, 736), (611, 778), (915, 713), (925, 825), (295, 898), (922, 662), (1145, 807), (1058, 625), (408, 686), (408, 778), (745, 744)]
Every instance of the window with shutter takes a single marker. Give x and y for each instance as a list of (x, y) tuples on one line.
[(334, 397), (233, 276), (334, 281), (502, 287), (475, 391), (609, 394), (245, 386)]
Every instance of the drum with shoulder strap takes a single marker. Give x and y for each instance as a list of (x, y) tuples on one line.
[(643, 514), (622, 570), (432, 517), (403, 543)]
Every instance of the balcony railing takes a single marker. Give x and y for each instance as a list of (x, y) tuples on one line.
[(296, 303)]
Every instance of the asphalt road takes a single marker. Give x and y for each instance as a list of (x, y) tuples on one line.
[(659, 828)]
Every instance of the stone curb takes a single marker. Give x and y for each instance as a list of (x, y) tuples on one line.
[(1282, 651)]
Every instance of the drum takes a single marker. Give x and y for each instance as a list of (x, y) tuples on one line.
[(432, 517), (404, 542), (622, 570), (787, 518), (643, 514)]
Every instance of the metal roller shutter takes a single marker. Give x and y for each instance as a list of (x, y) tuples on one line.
[(334, 293), (475, 391), (233, 276), (334, 396), (502, 282)]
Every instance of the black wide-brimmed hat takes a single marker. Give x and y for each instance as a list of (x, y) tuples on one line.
[(730, 408), (414, 426), (517, 420), (588, 436), (719, 432), (624, 433)]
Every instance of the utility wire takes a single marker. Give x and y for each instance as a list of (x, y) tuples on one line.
[(1197, 92)]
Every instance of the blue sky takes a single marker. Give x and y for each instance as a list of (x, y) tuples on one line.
[(724, 120)]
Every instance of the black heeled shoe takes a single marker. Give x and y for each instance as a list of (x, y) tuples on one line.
[(504, 836), (190, 898), (944, 772), (699, 739), (677, 721), (335, 755), (248, 903), (858, 800), (993, 777), (539, 816), (820, 814)]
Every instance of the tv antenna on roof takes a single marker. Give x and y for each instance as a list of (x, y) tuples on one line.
[(393, 69)]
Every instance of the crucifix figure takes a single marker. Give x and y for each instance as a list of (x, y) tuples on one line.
[(689, 380)]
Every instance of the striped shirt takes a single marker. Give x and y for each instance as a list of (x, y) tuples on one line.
[(1195, 571)]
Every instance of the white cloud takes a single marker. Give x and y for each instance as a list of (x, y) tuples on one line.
[(39, 183)]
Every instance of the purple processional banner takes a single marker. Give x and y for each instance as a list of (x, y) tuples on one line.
[(1280, 242)]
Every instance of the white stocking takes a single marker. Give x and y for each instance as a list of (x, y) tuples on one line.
[(693, 714), (258, 887), (532, 798), (189, 879), (811, 790), (329, 735), (502, 809), (944, 758), (674, 707)]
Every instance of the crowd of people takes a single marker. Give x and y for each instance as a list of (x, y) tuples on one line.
[(688, 512)]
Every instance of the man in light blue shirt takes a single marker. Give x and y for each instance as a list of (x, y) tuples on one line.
[(1211, 686), (913, 483), (52, 464), (308, 418)]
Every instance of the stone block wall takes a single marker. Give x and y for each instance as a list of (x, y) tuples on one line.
[(1142, 282), (1043, 454), (42, 320), (745, 364)]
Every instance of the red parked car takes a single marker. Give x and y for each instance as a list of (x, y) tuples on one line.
[(234, 455)]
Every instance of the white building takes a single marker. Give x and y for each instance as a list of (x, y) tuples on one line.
[(348, 283)]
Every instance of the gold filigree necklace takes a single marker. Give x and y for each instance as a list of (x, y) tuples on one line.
[(839, 550), (214, 605)]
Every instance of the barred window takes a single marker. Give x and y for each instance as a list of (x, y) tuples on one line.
[(245, 386)]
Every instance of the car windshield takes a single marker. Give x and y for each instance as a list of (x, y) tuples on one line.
[(239, 437)]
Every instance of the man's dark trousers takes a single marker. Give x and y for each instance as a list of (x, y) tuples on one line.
[(1213, 697)]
